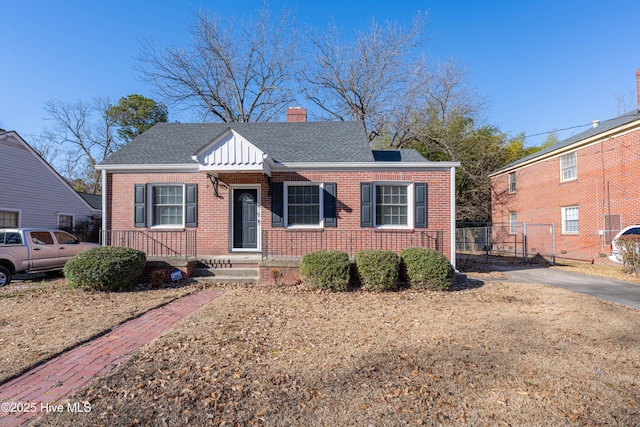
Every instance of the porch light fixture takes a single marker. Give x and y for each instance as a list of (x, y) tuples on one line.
[(267, 178), (216, 184)]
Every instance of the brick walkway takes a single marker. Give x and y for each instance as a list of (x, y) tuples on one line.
[(49, 384)]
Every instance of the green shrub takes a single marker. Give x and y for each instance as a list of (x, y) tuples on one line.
[(378, 269), (105, 268), (326, 270), (427, 269)]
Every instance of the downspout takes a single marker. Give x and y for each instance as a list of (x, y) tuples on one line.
[(103, 233), (453, 217)]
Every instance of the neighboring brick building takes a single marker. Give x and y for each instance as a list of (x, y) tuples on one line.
[(587, 186), (280, 189)]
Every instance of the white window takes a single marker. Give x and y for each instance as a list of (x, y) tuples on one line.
[(303, 205), (570, 220), (513, 222), (512, 182), (9, 219), (167, 205), (568, 167), (65, 222), (392, 202)]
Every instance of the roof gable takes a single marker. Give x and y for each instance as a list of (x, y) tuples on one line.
[(14, 141), (231, 152)]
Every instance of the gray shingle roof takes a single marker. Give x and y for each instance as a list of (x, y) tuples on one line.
[(603, 127), (175, 143), (95, 200)]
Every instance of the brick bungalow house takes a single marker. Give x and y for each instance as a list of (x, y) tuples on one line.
[(586, 185), (277, 190)]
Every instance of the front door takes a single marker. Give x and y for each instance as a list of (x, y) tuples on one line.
[(245, 219)]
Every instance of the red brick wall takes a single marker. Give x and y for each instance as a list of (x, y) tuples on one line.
[(285, 275), (607, 183), (213, 212)]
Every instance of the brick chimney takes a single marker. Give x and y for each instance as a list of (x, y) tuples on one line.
[(638, 80), (299, 114)]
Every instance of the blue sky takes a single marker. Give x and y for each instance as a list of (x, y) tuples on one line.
[(542, 65)]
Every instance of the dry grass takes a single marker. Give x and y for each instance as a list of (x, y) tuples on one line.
[(41, 318), (499, 354)]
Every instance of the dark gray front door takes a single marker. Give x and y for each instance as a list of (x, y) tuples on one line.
[(245, 218)]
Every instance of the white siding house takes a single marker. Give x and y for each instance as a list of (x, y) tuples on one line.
[(32, 193)]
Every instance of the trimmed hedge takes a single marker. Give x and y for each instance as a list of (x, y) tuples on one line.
[(378, 269), (427, 269), (326, 270), (105, 268)]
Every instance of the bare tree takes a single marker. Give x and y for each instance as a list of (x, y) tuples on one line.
[(232, 72), (624, 101), (45, 147), (377, 79), (85, 133)]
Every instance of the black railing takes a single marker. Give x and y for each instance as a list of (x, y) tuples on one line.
[(166, 243), (290, 243)]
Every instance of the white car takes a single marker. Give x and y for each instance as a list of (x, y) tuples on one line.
[(616, 252)]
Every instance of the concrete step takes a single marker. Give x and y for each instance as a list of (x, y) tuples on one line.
[(227, 275)]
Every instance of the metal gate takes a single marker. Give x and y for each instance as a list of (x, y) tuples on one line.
[(517, 239)]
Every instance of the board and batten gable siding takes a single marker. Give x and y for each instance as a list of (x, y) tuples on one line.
[(28, 185)]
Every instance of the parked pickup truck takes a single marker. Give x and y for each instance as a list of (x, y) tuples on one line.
[(36, 250)]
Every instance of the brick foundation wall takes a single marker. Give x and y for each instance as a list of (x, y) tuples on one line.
[(284, 274), (214, 212), (606, 184)]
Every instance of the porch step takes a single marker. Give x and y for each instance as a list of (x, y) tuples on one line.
[(230, 261), (227, 275)]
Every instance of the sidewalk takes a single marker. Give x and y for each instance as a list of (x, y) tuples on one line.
[(45, 387)]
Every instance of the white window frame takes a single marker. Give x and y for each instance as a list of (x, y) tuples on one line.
[(565, 218), (573, 167), (285, 196), (512, 182), (513, 222), (410, 206), (17, 211), (150, 219), (73, 220)]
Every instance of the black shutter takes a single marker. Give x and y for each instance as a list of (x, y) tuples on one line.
[(366, 204), (191, 205), (420, 204), (140, 205), (330, 219), (277, 211)]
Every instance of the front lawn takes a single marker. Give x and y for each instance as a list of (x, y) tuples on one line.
[(39, 318), (499, 354)]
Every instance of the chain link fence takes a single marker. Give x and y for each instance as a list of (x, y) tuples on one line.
[(517, 239)]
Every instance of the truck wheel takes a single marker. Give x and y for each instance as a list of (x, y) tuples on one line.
[(5, 276)]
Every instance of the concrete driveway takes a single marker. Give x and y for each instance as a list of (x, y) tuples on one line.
[(617, 291)]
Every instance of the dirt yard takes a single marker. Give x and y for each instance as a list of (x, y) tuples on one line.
[(39, 318), (496, 354)]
